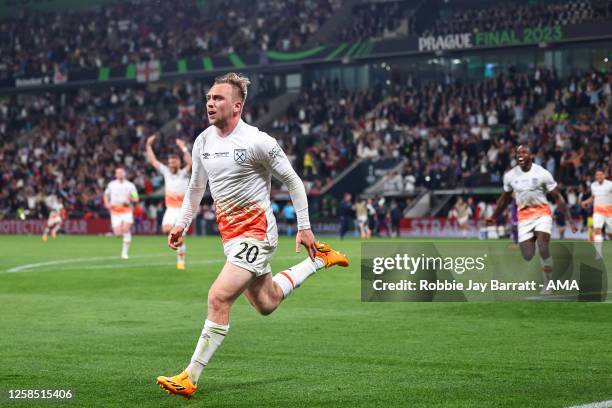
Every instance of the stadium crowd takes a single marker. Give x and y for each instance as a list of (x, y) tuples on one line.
[(448, 133), (452, 133), (507, 16), (120, 33), (378, 20)]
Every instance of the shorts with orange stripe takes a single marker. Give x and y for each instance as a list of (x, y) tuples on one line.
[(251, 254), (527, 228)]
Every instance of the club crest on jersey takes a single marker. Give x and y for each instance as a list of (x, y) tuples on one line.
[(239, 155)]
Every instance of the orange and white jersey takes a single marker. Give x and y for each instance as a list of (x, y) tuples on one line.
[(175, 185), (602, 198), (239, 169), (119, 194), (530, 188)]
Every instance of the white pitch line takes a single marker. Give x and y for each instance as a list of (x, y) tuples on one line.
[(600, 404), (121, 265), (26, 267), (200, 262)]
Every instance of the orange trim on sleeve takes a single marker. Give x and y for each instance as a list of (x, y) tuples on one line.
[(529, 213)]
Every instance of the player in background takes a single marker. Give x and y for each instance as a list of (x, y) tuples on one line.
[(119, 199), (560, 221), (531, 182), (57, 215), (462, 212), (601, 198), (237, 161), (289, 215), (361, 211), (176, 180)]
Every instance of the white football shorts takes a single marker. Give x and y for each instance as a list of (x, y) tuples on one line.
[(526, 228), (118, 219), (599, 220), (53, 221), (250, 254), (171, 216)]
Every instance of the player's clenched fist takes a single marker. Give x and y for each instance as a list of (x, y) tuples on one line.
[(175, 237)]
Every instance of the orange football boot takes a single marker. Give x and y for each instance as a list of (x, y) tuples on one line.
[(179, 385), (330, 257)]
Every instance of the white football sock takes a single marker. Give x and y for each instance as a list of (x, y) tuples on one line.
[(127, 239), (211, 338), (598, 242), (180, 253), (293, 277), (546, 270)]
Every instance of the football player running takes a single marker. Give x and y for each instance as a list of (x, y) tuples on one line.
[(531, 182), (237, 161)]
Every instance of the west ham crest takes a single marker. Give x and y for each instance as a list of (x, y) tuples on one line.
[(240, 155)]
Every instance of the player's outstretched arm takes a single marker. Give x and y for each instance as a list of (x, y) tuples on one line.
[(150, 153), (556, 195), (134, 197), (186, 156), (270, 154), (306, 237), (502, 203), (106, 201)]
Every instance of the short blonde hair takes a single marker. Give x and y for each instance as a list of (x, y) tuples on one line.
[(238, 81)]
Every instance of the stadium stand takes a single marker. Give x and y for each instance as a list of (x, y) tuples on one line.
[(125, 32), (508, 15), (451, 134), (377, 20)]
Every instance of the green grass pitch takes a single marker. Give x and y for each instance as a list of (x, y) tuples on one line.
[(77, 317)]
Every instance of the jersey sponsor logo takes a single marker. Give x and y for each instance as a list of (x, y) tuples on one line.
[(239, 155), (206, 156), (220, 154)]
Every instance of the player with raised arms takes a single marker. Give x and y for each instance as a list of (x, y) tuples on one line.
[(176, 180), (462, 212), (531, 182), (237, 161), (119, 199), (601, 198), (57, 215)]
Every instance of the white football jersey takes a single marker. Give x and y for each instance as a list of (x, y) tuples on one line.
[(239, 169), (119, 193), (175, 185), (602, 198), (530, 188)]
